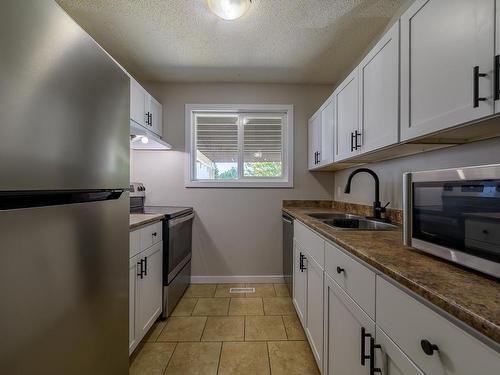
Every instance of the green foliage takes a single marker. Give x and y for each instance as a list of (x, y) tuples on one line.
[(262, 169), (230, 174)]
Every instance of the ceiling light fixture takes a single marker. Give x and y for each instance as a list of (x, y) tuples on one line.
[(229, 9)]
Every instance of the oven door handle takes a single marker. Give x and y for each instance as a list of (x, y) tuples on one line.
[(180, 220)]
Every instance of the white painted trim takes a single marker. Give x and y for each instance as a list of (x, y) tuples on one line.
[(275, 279), (285, 182)]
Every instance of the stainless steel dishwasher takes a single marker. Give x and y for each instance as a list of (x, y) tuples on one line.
[(288, 251)]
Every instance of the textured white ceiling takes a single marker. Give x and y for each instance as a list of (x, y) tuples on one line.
[(307, 41)]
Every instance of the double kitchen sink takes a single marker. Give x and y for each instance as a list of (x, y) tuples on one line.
[(351, 222)]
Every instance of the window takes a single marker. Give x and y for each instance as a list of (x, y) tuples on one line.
[(239, 146)]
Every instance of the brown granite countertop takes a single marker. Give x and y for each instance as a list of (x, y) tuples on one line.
[(138, 220), (469, 296)]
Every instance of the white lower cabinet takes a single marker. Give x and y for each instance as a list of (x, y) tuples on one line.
[(390, 359), (314, 327), (337, 298), (150, 288), (308, 298), (309, 251), (145, 289), (345, 322), (299, 282), (132, 331), (434, 344)]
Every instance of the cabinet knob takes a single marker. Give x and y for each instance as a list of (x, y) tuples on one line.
[(155, 234), (340, 270), (428, 348)]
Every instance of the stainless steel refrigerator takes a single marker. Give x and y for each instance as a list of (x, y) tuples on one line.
[(64, 165)]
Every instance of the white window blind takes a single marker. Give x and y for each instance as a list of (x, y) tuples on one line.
[(263, 146), (239, 148)]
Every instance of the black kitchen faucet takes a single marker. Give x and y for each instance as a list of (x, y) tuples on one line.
[(377, 206)]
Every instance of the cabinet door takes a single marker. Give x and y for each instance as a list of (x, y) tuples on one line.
[(344, 321), (326, 134), (311, 149), (150, 288), (379, 93), (313, 139), (390, 359), (299, 282), (156, 110), (132, 332), (442, 41), (137, 103), (314, 326), (346, 116)]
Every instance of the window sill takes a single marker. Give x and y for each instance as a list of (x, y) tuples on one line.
[(239, 184)]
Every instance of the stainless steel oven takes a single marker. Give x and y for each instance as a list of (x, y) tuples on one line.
[(455, 214)]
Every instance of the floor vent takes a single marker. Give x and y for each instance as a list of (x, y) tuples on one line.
[(241, 290)]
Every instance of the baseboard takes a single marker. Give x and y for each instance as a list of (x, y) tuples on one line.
[(275, 279)]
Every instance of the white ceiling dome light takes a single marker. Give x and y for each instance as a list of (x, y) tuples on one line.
[(229, 9)]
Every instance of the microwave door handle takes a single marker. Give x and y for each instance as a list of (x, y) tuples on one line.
[(407, 208), (429, 234), (180, 220)]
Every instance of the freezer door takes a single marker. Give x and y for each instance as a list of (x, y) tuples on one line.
[(64, 289), (64, 104)]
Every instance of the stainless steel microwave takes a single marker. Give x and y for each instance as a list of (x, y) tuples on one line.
[(455, 214)]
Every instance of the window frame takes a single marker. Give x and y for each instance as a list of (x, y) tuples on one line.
[(286, 181)]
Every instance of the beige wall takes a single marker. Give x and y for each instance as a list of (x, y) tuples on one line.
[(391, 172), (237, 231)]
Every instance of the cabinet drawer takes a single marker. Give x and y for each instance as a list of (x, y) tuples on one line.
[(311, 242), (357, 280), (408, 323), (150, 235), (135, 243)]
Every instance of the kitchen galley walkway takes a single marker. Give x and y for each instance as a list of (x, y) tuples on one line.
[(213, 331)]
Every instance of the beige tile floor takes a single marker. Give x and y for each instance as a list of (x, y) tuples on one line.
[(214, 332)]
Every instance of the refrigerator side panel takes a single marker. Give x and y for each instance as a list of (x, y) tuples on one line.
[(64, 289), (64, 104)]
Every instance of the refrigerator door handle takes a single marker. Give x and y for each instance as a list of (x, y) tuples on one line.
[(27, 199)]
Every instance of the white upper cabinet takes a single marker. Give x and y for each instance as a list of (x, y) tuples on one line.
[(313, 139), (327, 124), (348, 137), (320, 135), (379, 93), (436, 68), (446, 64), (156, 116), (144, 109), (138, 103)]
